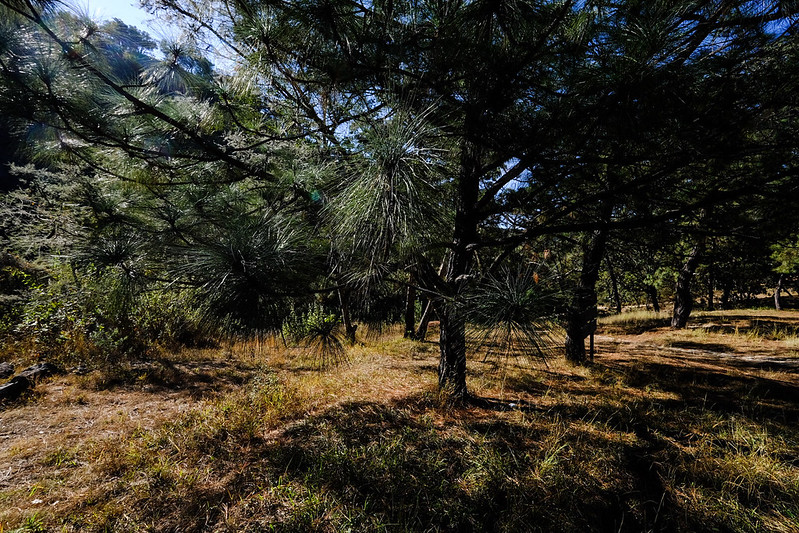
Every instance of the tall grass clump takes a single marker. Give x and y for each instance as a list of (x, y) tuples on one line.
[(738, 477), (513, 317), (320, 334)]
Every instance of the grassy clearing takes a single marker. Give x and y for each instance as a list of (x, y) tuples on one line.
[(251, 437), (743, 332), (754, 323), (633, 322)]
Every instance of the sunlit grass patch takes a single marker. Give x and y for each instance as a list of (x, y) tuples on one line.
[(739, 475), (774, 330), (636, 321)]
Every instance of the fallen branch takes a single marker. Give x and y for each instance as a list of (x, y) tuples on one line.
[(25, 380)]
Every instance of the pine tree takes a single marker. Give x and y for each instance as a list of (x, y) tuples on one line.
[(498, 121)]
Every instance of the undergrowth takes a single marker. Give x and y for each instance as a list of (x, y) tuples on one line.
[(626, 445)]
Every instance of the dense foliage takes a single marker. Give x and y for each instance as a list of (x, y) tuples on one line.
[(504, 160)]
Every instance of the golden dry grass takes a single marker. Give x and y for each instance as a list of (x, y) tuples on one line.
[(667, 431)]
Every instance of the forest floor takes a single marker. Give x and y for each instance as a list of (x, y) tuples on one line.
[(694, 430)]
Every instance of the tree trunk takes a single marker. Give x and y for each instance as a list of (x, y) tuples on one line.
[(711, 287), (26, 379), (424, 321), (683, 302), (614, 286), (452, 364), (778, 294), (725, 295), (349, 327), (410, 312), (452, 344), (652, 294), (582, 313)]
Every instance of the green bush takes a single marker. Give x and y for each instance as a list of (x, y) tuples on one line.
[(99, 316), (320, 332), (72, 319), (15, 287), (173, 318)]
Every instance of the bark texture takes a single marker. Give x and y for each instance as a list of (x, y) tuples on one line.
[(582, 313), (452, 364), (683, 300)]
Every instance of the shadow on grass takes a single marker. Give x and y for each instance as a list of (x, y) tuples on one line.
[(198, 377), (701, 346), (636, 326), (719, 391), (769, 326), (396, 466), (633, 447)]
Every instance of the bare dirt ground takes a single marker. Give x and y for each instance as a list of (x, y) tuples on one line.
[(756, 343)]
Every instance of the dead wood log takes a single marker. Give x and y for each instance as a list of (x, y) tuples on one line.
[(25, 380)]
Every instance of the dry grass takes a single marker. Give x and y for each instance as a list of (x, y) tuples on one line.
[(656, 436)]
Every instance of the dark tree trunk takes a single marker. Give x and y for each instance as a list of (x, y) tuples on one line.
[(614, 286), (725, 296), (424, 321), (452, 364), (349, 327), (711, 287), (6, 370), (582, 313), (652, 294), (26, 379), (410, 312), (452, 343), (778, 293), (683, 301)]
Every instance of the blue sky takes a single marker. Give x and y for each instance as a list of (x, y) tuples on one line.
[(127, 11)]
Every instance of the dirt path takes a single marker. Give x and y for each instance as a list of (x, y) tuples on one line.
[(775, 360)]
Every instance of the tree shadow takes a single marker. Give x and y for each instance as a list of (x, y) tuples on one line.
[(719, 390), (702, 346), (197, 377), (483, 475), (601, 456)]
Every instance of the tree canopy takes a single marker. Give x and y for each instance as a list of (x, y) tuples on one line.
[(358, 148)]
